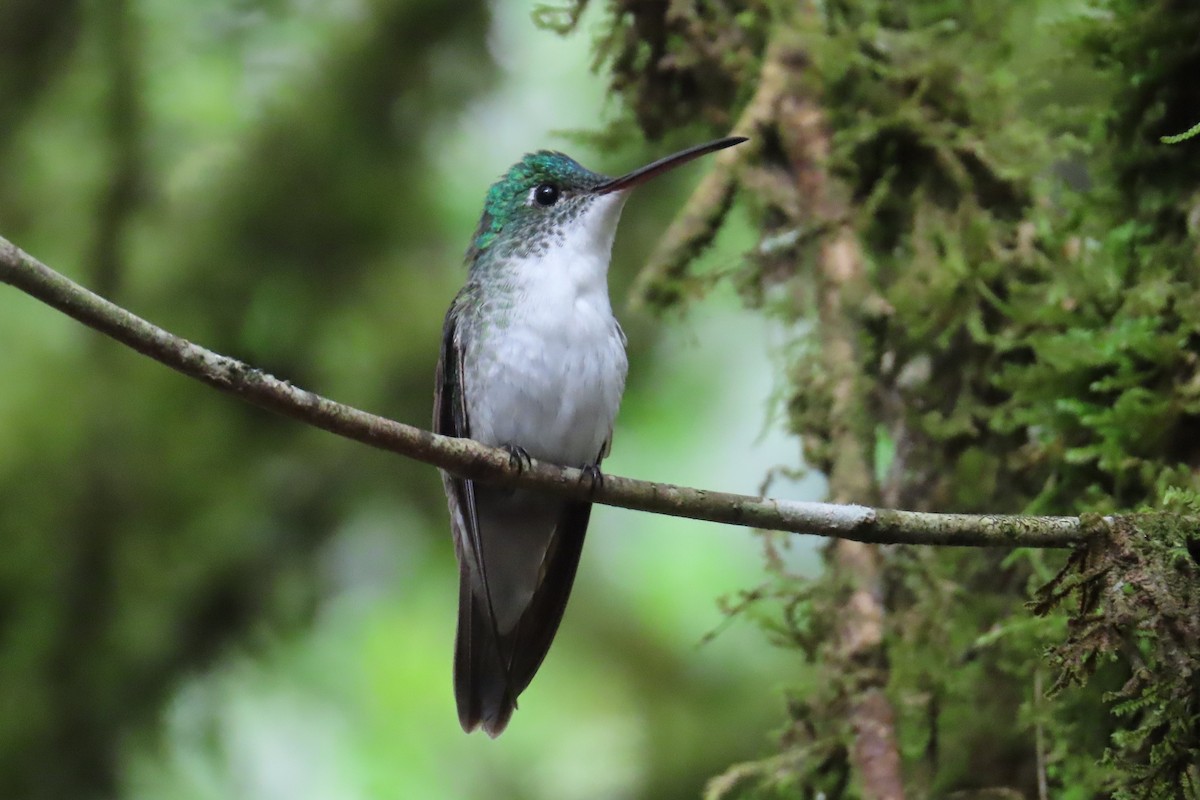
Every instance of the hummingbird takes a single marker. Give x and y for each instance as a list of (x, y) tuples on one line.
[(532, 361)]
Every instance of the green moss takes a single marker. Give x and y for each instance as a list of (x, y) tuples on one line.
[(1027, 341), (1134, 594)]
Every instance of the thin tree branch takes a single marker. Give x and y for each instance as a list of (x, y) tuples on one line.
[(473, 460)]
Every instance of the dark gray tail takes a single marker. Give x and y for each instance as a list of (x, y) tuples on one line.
[(493, 666)]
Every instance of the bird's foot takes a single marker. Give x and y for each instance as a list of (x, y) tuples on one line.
[(518, 457), (594, 477)]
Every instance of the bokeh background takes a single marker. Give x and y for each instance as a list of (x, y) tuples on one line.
[(199, 600)]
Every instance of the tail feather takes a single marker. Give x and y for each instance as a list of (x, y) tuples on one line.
[(540, 621), (492, 667), (480, 678)]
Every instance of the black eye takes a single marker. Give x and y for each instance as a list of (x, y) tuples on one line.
[(546, 194)]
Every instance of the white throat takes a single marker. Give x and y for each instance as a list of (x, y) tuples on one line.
[(574, 265)]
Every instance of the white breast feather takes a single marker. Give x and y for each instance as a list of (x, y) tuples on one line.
[(551, 379)]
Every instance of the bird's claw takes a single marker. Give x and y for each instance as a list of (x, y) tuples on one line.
[(518, 457), (592, 474)]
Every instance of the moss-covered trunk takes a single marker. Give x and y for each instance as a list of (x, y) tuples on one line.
[(973, 203)]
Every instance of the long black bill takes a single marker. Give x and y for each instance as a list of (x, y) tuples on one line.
[(649, 171)]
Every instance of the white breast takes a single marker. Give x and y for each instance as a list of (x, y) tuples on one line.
[(550, 377)]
